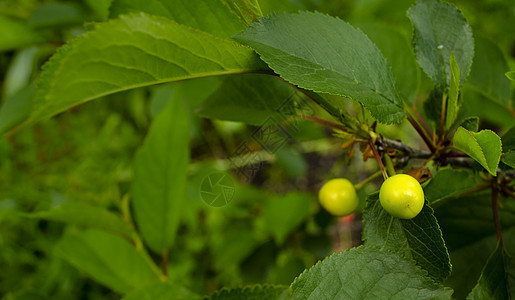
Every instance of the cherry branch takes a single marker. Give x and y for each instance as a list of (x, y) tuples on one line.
[(495, 210)]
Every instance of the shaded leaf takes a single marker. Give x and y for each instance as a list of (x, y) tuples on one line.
[(487, 73), (509, 158), (159, 184), (439, 29), (449, 183), (342, 61), (419, 238), (468, 228), (366, 272), (484, 147), (471, 124), (477, 104), (492, 283), (108, 258), (397, 51), (510, 75), (249, 98)]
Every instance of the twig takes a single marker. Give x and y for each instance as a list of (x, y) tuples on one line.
[(495, 210), (412, 153)]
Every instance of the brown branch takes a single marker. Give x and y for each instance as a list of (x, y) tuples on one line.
[(410, 152), (495, 210)]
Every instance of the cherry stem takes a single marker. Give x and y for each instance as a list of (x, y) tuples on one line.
[(389, 165), (369, 179), (325, 122), (378, 158), (495, 210)]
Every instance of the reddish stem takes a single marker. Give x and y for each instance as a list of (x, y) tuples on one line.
[(424, 124), (325, 122), (422, 134)]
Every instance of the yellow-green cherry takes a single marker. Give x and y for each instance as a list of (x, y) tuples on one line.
[(402, 196), (338, 196)]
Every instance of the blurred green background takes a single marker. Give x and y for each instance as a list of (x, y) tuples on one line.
[(85, 155)]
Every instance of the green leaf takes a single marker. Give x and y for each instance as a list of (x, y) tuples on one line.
[(484, 147), (282, 214), (449, 183), (82, 214), (137, 50), (510, 75), (440, 29), (56, 15), (108, 258), (366, 272), (255, 292), (218, 17), (419, 238), (341, 61), (249, 98), (160, 165), (162, 291), (397, 50), (15, 35), (454, 92), (487, 73), (492, 283)]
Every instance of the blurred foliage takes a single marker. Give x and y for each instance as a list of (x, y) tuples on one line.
[(85, 155)]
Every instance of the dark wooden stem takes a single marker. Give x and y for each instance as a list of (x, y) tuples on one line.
[(495, 210)]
